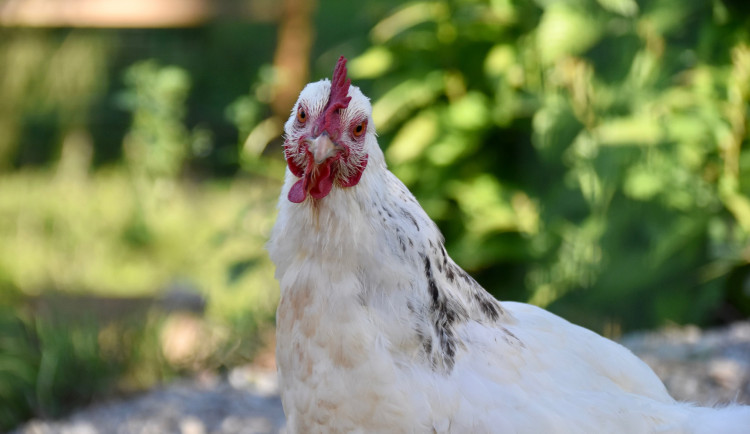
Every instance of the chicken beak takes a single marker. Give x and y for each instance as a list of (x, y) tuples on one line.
[(323, 148)]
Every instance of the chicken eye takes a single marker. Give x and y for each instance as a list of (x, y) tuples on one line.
[(301, 115), (359, 129)]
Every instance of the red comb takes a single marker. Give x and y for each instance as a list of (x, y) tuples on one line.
[(339, 87), (337, 99)]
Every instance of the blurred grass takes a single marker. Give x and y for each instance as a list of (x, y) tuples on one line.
[(92, 235), (104, 272), (89, 236)]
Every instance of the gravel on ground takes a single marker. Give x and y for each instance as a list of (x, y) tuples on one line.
[(705, 367)]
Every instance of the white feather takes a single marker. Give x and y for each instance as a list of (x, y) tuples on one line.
[(364, 343)]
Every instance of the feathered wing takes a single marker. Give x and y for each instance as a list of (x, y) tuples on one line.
[(498, 360), (518, 368), (564, 378)]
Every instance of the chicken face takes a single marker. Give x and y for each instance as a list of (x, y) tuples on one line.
[(325, 139)]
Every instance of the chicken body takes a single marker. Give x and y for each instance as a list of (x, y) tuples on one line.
[(378, 330)]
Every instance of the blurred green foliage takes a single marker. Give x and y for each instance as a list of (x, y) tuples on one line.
[(126, 233), (100, 236), (156, 143), (589, 156), (584, 155)]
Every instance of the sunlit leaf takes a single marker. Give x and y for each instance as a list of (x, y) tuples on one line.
[(499, 60), (373, 63), (639, 131), (446, 150), (565, 30), (627, 8), (485, 203), (409, 95), (470, 112), (405, 17), (643, 184), (413, 137)]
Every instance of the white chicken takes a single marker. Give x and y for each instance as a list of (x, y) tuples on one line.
[(378, 330)]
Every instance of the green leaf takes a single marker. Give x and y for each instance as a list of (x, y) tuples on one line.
[(566, 31)]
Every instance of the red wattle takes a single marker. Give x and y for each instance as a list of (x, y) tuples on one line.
[(318, 181), (297, 192), (322, 181)]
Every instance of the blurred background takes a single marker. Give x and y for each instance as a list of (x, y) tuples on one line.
[(587, 156)]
